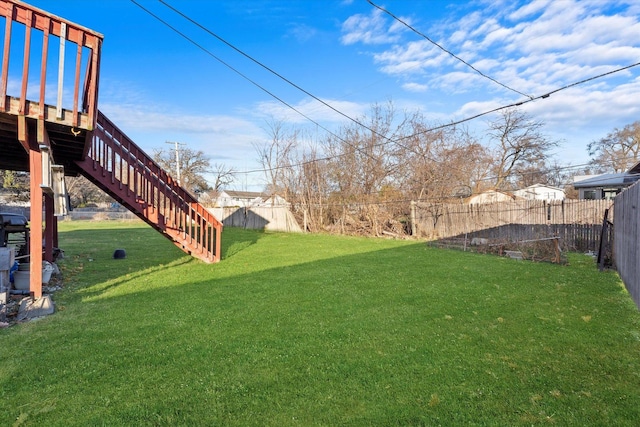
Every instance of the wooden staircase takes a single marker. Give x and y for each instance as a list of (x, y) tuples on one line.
[(119, 167), (72, 137)]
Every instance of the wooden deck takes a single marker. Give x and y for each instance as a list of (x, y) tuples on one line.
[(68, 142), (37, 137)]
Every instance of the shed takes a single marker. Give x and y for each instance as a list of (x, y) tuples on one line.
[(491, 196)]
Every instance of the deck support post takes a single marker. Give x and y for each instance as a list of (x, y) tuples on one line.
[(28, 137), (49, 228)]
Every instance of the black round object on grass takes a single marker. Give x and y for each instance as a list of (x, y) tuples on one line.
[(119, 254)]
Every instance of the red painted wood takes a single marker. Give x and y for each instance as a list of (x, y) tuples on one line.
[(150, 192)]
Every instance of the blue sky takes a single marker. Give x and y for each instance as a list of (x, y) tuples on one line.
[(159, 87)]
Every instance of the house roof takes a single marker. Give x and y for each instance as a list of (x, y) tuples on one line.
[(621, 179), (541, 186), (245, 194), (608, 180), (539, 191), (634, 169)]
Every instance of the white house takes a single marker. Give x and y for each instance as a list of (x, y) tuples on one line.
[(248, 199), (245, 199), (540, 192), (275, 200)]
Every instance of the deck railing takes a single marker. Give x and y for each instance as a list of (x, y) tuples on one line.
[(55, 37)]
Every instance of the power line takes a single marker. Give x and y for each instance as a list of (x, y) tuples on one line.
[(357, 122), (374, 132), (219, 59), (245, 77), (445, 50), (387, 139), (306, 92), (515, 104), (439, 199), (526, 101)]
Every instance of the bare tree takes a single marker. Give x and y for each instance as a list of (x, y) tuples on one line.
[(82, 192), (362, 158), (311, 189), (436, 164), (362, 166), (193, 165), (440, 166), (532, 173), (16, 184), (223, 176), (617, 151), (275, 155), (519, 142)]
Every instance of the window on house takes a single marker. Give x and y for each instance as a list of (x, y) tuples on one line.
[(589, 194), (610, 193)]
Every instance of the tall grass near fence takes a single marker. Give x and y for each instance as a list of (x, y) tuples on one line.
[(303, 330)]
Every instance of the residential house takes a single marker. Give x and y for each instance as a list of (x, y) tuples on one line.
[(245, 199), (605, 186), (248, 199), (275, 200), (540, 192)]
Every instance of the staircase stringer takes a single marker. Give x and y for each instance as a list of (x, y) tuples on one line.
[(120, 168)]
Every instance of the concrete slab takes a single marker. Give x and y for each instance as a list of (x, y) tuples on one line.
[(30, 308), (514, 254)]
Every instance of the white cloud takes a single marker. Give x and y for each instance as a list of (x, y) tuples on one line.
[(529, 9), (459, 81), (369, 29), (134, 117), (313, 109), (538, 45), (574, 116), (411, 58), (415, 87), (302, 33), (224, 139)]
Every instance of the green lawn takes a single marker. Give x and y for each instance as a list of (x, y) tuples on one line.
[(308, 330)]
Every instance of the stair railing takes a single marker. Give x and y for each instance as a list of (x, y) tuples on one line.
[(138, 182)]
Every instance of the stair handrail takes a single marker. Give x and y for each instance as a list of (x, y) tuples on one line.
[(142, 159), (190, 225)]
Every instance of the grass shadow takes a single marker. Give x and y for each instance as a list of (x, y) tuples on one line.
[(235, 240)]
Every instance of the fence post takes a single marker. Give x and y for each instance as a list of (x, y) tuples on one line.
[(304, 228), (413, 218), (604, 242)]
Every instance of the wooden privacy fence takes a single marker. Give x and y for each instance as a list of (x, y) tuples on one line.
[(273, 218), (575, 221), (626, 241)]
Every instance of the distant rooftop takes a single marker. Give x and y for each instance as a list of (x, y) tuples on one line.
[(245, 194)]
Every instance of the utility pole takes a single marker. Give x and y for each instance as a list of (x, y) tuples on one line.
[(177, 159)]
